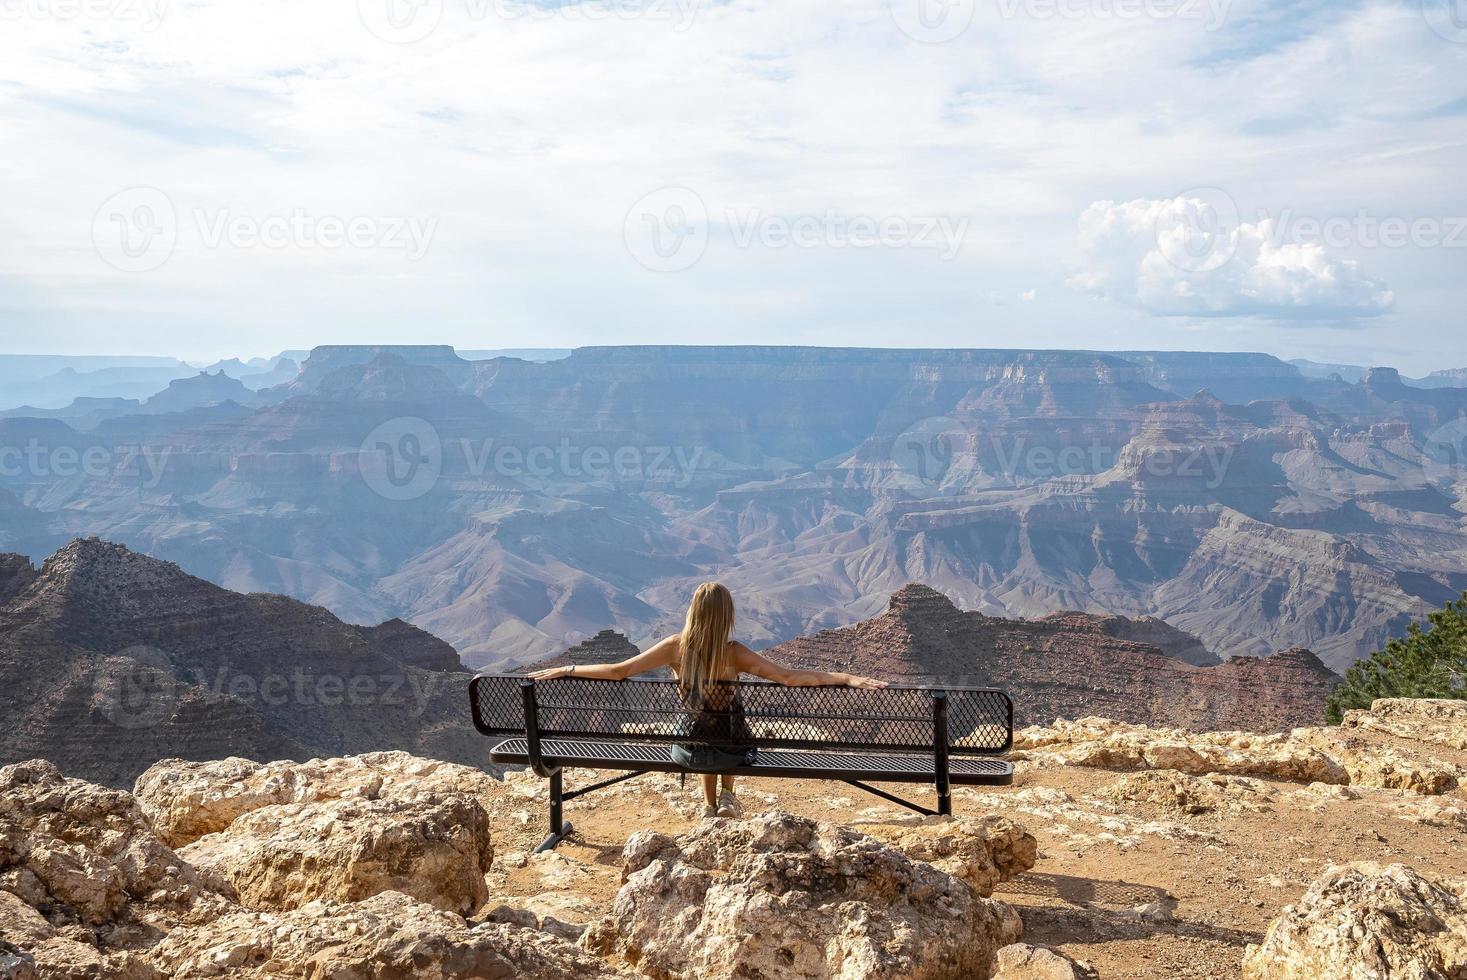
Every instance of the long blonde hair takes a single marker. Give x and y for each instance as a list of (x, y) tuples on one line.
[(704, 658)]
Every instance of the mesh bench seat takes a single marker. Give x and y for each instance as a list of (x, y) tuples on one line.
[(943, 736), (794, 763)]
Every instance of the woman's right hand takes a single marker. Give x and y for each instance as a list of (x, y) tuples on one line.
[(550, 673)]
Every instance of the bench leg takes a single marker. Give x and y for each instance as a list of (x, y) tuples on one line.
[(945, 802), (559, 828)]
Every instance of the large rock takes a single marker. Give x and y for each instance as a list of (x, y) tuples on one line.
[(781, 897), (1172, 790), (186, 800), (1304, 755), (1363, 922), (387, 936), (1438, 721), (434, 848), (981, 851), (81, 853), (1022, 961)]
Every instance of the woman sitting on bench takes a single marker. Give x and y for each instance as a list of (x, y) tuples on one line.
[(706, 662)]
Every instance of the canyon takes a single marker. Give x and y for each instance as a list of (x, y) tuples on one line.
[(515, 507)]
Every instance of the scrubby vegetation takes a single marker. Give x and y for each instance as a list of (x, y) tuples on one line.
[(1425, 663)]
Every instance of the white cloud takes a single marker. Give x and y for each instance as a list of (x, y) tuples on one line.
[(1187, 256), (530, 136)]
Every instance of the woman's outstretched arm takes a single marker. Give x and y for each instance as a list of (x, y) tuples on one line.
[(663, 654), (751, 663)]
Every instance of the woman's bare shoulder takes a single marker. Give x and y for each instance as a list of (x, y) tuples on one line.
[(741, 652)]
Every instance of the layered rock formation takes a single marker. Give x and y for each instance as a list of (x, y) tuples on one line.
[(1069, 665), (111, 660), (1270, 511)]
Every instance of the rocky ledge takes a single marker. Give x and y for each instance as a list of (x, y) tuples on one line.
[(387, 865)]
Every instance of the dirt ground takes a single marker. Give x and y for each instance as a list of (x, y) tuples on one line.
[(1137, 889)]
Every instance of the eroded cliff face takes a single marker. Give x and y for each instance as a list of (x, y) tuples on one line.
[(1068, 665), (110, 660), (1265, 512)]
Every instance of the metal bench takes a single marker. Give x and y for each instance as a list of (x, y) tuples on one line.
[(944, 736)]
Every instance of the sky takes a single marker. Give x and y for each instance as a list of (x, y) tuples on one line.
[(209, 178)]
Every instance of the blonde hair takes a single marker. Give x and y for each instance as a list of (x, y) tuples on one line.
[(704, 658)]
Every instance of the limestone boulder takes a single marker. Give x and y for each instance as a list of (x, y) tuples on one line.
[(982, 852), (81, 853), (782, 897), (1304, 755), (389, 935), (434, 848), (1172, 790), (1022, 961), (187, 800), (1437, 721), (1364, 921)]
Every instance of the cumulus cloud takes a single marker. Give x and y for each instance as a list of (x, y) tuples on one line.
[(1189, 256)]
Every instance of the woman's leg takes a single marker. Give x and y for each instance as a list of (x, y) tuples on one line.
[(728, 783), (710, 788)]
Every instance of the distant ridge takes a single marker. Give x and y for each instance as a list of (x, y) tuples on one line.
[(1068, 665), (111, 660)]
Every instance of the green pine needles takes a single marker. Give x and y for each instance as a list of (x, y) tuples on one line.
[(1425, 663)]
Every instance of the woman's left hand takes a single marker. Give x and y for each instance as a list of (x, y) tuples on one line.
[(550, 673)]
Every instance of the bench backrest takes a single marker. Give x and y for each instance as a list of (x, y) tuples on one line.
[(978, 721)]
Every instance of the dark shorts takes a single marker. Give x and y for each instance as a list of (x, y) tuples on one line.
[(713, 758)]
